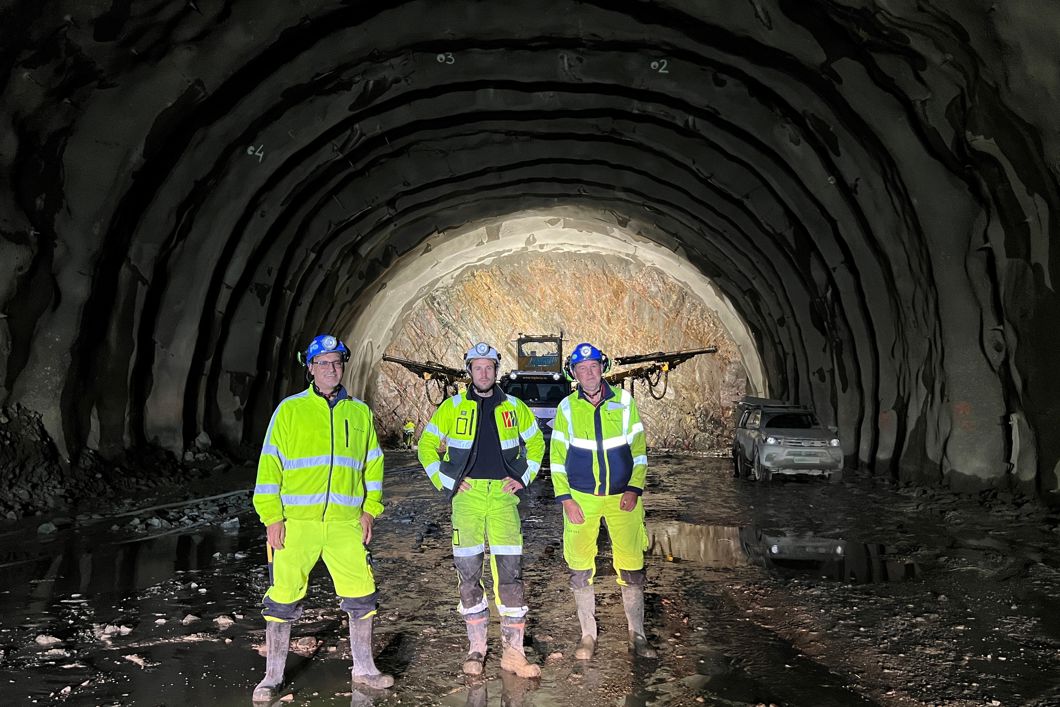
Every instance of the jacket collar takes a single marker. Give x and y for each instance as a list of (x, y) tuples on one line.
[(609, 393), (342, 394), (497, 396)]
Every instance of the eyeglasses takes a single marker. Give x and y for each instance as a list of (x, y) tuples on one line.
[(329, 364)]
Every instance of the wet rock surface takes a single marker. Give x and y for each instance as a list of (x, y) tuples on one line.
[(34, 481), (933, 599), (619, 304)]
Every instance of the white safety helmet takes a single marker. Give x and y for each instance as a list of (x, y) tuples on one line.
[(481, 350)]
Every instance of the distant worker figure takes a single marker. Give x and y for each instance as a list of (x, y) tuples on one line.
[(407, 431), (319, 488), (599, 461), (471, 448)]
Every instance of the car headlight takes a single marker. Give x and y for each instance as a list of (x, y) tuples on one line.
[(834, 442), (775, 549), (513, 375), (555, 376), (771, 439), (839, 549)]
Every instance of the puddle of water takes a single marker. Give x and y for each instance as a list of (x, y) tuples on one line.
[(82, 564), (726, 547)]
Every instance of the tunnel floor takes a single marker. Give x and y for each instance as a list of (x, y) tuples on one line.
[(793, 593)]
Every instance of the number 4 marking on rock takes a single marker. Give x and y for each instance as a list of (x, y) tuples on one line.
[(259, 152)]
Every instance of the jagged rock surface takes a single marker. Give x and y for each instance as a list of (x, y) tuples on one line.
[(623, 307)]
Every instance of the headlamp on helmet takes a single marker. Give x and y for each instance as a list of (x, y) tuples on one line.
[(481, 350), (585, 352), (322, 344)]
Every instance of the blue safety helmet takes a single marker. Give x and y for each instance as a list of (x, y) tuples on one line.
[(585, 352), (325, 343)]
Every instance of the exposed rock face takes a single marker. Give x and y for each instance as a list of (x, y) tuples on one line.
[(622, 307), (192, 190), (31, 477)]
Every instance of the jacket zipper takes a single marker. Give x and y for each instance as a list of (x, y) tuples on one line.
[(347, 424), (601, 453), (331, 462)]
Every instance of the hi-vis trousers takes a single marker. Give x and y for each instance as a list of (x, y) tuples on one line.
[(629, 539), (485, 513), (306, 542)]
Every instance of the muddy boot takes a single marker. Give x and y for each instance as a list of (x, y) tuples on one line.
[(514, 657), (633, 602), (477, 625), (364, 671), (277, 641), (585, 600)]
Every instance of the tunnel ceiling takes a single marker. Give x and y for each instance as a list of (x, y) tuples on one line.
[(192, 189)]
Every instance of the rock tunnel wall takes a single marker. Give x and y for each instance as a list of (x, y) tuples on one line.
[(192, 189), (623, 306)]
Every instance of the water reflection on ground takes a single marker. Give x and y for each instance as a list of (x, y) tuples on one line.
[(727, 547)]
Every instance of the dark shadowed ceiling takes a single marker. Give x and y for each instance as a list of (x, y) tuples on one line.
[(191, 189)]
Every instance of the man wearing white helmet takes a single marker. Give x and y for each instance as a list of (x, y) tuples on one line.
[(318, 490), (599, 462), (473, 448)]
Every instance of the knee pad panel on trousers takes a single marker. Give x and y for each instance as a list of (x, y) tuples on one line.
[(509, 580), (359, 607), (579, 579), (472, 591), (282, 612), (632, 578), (469, 568)]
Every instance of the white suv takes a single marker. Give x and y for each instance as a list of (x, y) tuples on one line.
[(775, 438)]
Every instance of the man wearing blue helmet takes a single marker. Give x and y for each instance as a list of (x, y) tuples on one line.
[(599, 462), (318, 490)]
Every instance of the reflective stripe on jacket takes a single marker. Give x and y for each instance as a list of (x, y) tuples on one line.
[(455, 423), (319, 462), (598, 450)]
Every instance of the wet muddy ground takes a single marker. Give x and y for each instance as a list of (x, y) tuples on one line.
[(791, 593)]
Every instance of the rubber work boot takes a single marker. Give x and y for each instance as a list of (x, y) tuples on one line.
[(585, 600), (513, 659), (277, 641), (477, 625), (633, 602), (364, 670)]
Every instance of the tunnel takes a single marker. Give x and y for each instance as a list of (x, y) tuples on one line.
[(863, 191)]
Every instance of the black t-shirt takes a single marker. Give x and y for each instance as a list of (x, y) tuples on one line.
[(487, 462)]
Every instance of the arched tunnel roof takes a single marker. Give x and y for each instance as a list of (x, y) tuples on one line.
[(195, 188)]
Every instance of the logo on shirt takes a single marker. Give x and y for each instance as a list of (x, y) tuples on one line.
[(509, 418)]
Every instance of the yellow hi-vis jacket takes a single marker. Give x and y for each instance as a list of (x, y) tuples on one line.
[(598, 450), (319, 462), (455, 423)]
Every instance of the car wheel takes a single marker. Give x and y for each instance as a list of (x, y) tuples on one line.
[(735, 465), (760, 472), (835, 477)]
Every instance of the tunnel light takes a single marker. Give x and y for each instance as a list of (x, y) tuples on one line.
[(774, 549), (771, 440), (839, 549), (834, 442)]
